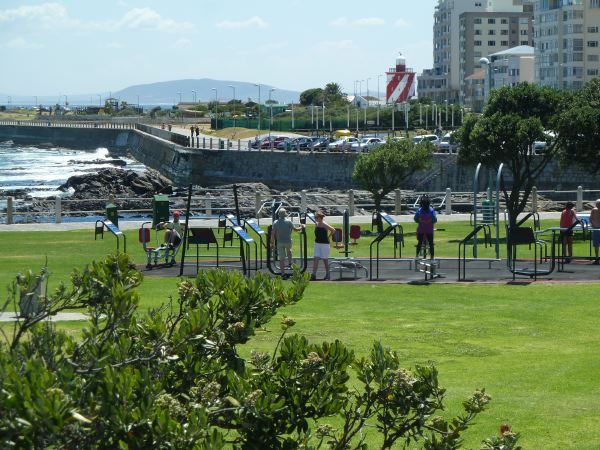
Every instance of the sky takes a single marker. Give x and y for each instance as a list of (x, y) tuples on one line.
[(89, 46)]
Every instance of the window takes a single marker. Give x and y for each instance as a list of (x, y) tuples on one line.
[(592, 72), (593, 58), (504, 32), (491, 21), (477, 4), (504, 21), (491, 32), (491, 43), (477, 21), (477, 43), (592, 29), (524, 42), (523, 32), (504, 43), (592, 43), (594, 3), (477, 32)]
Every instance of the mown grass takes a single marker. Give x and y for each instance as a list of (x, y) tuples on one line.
[(534, 348)]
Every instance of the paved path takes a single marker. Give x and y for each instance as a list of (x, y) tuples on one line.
[(60, 317), (135, 224)]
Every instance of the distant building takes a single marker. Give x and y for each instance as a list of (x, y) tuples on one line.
[(483, 34), (474, 91), (443, 81), (567, 42)]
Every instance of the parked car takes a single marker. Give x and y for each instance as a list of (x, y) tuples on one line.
[(365, 144), (284, 144), (321, 143), (447, 144), (427, 137), (342, 144)]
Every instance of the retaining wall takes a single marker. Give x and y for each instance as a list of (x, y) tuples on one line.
[(294, 170)]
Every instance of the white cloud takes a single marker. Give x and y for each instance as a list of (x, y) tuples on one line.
[(362, 22), (401, 23), (252, 22), (182, 43), (148, 19), (46, 12), (21, 43), (54, 15), (113, 45)]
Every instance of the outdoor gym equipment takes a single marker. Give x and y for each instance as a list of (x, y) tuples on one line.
[(393, 228), (346, 264), (114, 230), (205, 236), (490, 210), (168, 252), (526, 236)]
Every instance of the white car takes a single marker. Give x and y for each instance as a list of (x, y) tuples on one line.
[(366, 144), (342, 144), (447, 144), (427, 137)]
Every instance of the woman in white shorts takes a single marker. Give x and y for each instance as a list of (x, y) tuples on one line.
[(323, 231)]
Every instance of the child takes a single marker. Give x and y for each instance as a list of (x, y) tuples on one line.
[(425, 217), (567, 219), (323, 231)]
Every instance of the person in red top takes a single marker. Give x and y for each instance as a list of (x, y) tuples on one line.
[(568, 218)]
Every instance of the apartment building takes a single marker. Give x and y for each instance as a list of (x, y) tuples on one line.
[(442, 82), (483, 34), (567, 42)]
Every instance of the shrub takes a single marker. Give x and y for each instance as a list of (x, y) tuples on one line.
[(173, 378)]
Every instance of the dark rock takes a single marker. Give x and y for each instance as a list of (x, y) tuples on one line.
[(118, 183)]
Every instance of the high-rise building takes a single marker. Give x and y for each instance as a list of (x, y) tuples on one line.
[(442, 82), (483, 34), (567, 42)]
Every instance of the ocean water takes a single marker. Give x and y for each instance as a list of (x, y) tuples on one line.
[(40, 171)]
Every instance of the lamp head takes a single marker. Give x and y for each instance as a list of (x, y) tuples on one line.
[(484, 60)]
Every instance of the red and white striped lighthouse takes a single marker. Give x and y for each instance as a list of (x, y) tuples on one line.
[(400, 82)]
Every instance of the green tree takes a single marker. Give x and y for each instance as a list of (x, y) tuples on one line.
[(512, 121), (311, 97), (384, 168), (579, 127)]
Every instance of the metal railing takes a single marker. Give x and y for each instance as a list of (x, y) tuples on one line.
[(217, 201)]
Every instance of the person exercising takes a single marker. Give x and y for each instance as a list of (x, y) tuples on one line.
[(425, 217), (174, 231)]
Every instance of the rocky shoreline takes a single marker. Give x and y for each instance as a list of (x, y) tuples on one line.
[(92, 190)]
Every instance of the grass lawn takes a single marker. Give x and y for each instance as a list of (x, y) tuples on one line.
[(532, 347)]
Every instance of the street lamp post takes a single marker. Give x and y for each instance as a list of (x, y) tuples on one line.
[(233, 114), (179, 97), (271, 111), (258, 85), (216, 107), (99, 99), (367, 80), (486, 92), (378, 98), (194, 93)]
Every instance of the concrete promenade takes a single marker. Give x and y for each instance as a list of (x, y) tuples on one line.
[(135, 224)]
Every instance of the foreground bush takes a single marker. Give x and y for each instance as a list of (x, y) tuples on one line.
[(173, 378)]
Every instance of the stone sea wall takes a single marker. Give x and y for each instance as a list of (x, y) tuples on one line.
[(293, 170)]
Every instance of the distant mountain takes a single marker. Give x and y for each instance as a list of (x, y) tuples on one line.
[(167, 92)]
